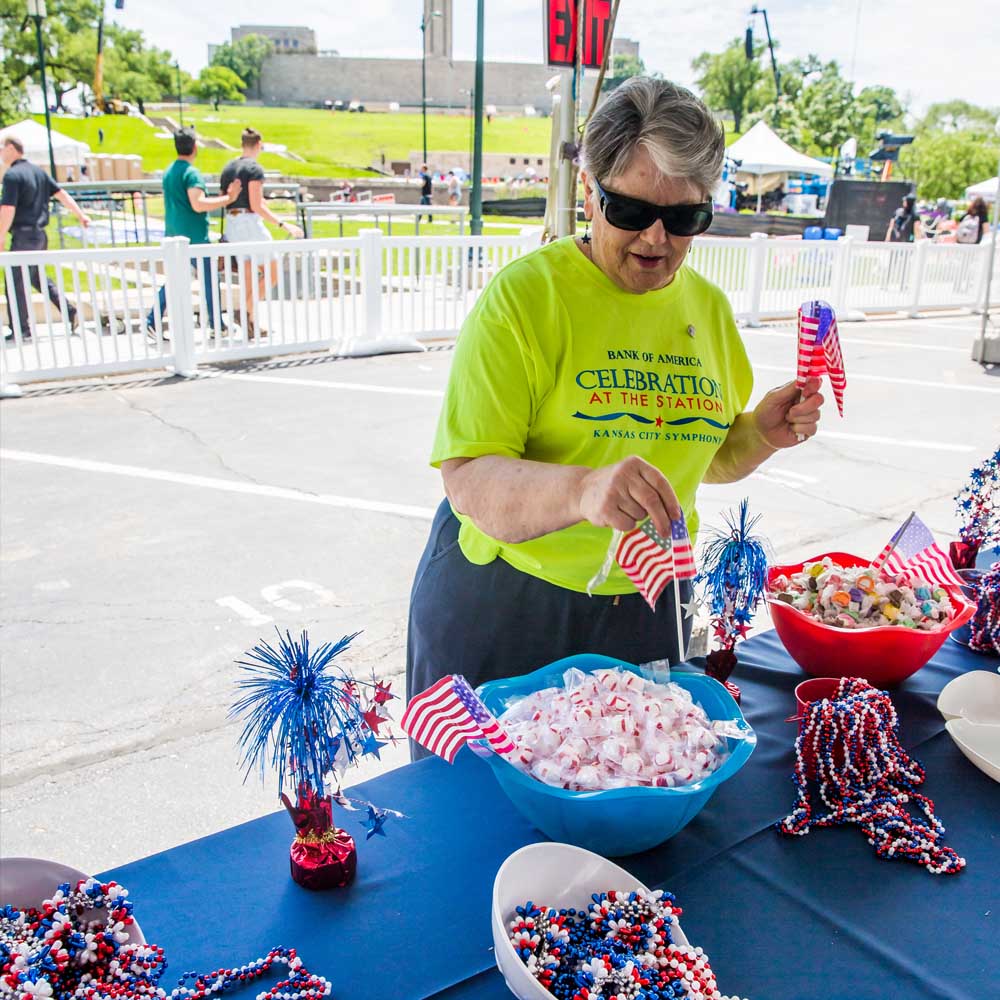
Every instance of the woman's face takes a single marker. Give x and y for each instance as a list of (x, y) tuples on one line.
[(639, 261)]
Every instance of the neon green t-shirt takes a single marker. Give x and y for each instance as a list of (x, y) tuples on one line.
[(555, 363)]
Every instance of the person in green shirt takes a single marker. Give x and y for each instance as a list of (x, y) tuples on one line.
[(597, 382), (186, 205)]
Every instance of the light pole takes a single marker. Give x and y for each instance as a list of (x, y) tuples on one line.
[(36, 11), (423, 72), (989, 265), (477, 140), (180, 95)]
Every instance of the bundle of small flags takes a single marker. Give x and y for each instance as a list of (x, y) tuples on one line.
[(819, 351), (449, 715), (651, 560), (912, 549), (734, 576), (978, 506), (310, 720)]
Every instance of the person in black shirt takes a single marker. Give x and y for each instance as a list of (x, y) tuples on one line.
[(246, 215), (904, 227), (24, 213), (426, 188)]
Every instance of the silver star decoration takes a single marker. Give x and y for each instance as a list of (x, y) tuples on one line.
[(693, 606), (691, 329)]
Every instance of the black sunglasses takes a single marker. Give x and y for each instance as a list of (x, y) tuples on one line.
[(634, 215)]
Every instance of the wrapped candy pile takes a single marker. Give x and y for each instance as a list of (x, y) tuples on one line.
[(861, 597), (621, 946), (613, 729)]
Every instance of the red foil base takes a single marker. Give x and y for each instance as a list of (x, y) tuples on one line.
[(329, 861), (963, 555)]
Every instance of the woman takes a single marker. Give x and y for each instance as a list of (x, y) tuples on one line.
[(979, 217), (596, 382)]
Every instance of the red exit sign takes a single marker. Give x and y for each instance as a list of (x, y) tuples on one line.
[(562, 31)]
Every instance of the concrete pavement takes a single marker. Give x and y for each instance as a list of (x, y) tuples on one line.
[(153, 529)]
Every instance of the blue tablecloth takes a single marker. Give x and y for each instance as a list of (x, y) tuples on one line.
[(782, 918)]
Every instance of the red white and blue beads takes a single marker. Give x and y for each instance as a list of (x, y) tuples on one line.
[(619, 948), (850, 768), (59, 952)]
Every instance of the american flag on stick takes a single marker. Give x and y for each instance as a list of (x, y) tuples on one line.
[(912, 549), (449, 714), (819, 348), (651, 561)]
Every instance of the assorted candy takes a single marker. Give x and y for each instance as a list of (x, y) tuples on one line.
[(77, 946), (621, 946), (613, 729), (861, 597)]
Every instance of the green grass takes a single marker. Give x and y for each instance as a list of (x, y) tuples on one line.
[(333, 144)]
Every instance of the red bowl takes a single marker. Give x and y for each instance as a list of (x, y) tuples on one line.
[(883, 655)]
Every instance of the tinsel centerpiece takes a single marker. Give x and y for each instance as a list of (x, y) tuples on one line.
[(734, 577), (978, 506), (310, 720)]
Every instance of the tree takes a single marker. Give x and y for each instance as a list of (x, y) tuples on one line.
[(245, 57), (137, 73), (728, 79), (622, 67), (944, 164), (958, 116), (217, 83), (828, 110)]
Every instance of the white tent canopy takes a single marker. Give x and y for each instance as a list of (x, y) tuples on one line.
[(67, 152), (762, 152), (987, 190)]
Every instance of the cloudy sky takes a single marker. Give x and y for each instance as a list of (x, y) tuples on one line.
[(928, 51)]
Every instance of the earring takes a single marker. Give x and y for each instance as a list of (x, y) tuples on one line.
[(586, 234)]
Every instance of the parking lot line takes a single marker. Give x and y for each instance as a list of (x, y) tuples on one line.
[(317, 383), (224, 485), (849, 341), (919, 443), (921, 383)]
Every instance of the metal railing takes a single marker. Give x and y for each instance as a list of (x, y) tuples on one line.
[(374, 212), (85, 312)]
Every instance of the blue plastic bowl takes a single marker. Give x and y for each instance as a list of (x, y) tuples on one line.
[(621, 820)]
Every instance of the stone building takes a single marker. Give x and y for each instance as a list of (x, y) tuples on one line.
[(288, 79), (284, 38)]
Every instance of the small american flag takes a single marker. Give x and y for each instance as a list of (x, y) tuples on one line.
[(449, 714), (651, 561), (819, 348), (913, 549)]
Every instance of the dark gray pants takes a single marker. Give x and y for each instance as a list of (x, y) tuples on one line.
[(23, 238), (487, 622)]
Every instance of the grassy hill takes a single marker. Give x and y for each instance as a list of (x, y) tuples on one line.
[(332, 144)]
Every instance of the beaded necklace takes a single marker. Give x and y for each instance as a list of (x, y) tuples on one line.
[(58, 953), (850, 768), (984, 629), (619, 948)]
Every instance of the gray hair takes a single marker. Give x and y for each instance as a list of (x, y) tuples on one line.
[(676, 128)]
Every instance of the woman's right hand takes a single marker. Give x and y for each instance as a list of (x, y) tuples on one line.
[(621, 495)]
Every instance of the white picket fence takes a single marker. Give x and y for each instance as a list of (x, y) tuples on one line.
[(372, 293)]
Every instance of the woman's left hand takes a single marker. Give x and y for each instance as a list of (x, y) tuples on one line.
[(787, 412)]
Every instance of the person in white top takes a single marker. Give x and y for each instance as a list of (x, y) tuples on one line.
[(454, 189)]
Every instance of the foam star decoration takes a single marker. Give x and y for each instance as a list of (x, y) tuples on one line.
[(375, 821), (692, 607), (382, 693), (372, 745), (373, 720)]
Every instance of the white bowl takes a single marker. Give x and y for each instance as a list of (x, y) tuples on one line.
[(27, 882), (974, 696), (557, 875), (979, 743)]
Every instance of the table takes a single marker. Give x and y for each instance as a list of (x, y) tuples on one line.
[(782, 918)]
